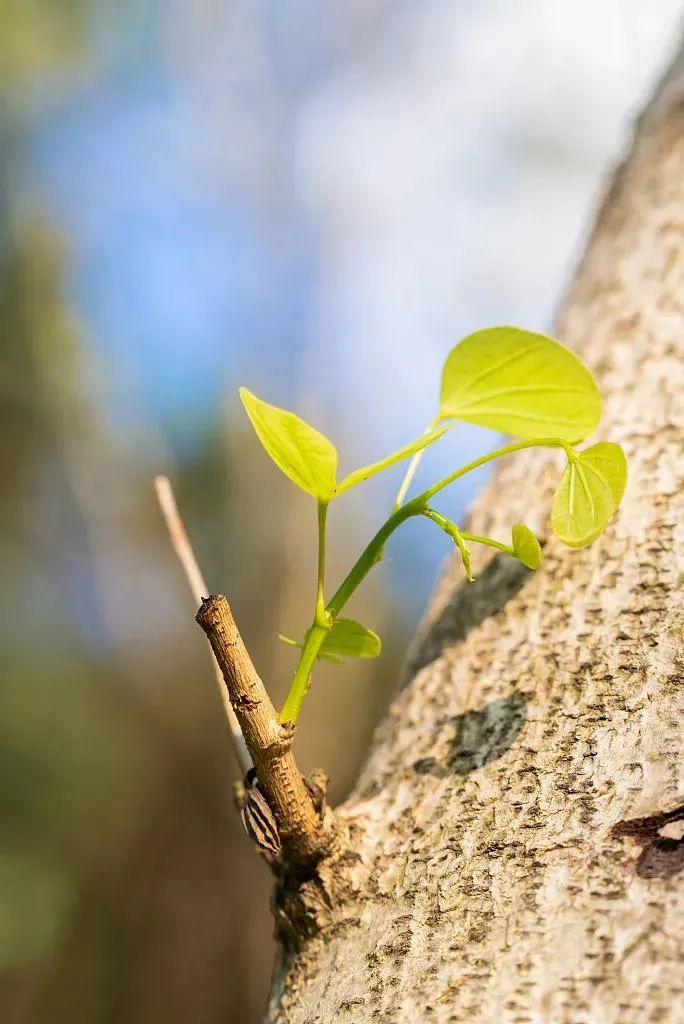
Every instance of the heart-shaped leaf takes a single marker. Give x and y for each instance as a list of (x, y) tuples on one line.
[(346, 639), (359, 475), (590, 491), (305, 455), (349, 639), (520, 383), (526, 546)]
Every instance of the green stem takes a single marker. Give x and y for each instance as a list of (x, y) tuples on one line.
[(454, 531), (302, 677), (474, 538), (441, 521), (321, 617), (316, 635), (416, 507), (411, 471), (518, 446), (372, 554)]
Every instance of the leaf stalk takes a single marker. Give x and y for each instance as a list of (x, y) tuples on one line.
[(372, 554)]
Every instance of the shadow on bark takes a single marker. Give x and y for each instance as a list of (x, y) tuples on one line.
[(469, 605), (480, 736)]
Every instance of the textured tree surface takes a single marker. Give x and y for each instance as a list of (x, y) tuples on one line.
[(520, 816)]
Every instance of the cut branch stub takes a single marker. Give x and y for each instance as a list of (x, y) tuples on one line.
[(303, 837)]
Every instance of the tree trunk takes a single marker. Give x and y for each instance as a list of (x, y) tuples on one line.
[(519, 820)]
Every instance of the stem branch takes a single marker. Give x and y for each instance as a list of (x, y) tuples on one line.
[(320, 593), (474, 538), (373, 553), (411, 470)]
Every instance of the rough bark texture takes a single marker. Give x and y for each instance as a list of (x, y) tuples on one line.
[(514, 864)]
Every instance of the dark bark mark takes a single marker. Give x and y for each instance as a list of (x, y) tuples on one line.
[(662, 856), (480, 736)]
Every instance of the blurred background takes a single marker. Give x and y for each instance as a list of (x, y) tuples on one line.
[(316, 200)]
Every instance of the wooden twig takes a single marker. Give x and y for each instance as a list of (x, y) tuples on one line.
[(303, 838), (186, 556), (258, 737)]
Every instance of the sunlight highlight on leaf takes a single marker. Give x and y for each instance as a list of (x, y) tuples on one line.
[(590, 491), (303, 454), (521, 383)]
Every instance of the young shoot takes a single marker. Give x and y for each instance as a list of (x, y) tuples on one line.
[(513, 381)]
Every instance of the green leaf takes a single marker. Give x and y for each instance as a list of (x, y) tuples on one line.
[(590, 491), (306, 456), (526, 546), (519, 383), (463, 549), (360, 475), (452, 530), (346, 639), (349, 639), (608, 461)]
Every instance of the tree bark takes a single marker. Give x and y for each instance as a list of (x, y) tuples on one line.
[(519, 819)]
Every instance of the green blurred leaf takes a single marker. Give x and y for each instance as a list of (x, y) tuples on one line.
[(303, 454), (360, 475), (526, 546), (349, 639), (520, 383), (590, 491)]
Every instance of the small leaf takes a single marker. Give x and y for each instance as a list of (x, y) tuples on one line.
[(360, 475), (452, 530), (349, 639), (346, 639), (304, 455), (526, 546), (590, 491), (464, 551), (520, 383)]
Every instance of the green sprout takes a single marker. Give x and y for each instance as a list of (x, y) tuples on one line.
[(513, 381)]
